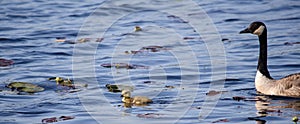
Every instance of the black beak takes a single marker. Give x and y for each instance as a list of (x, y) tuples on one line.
[(121, 96), (245, 31)]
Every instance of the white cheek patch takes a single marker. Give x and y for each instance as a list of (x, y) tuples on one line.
[(259, 31)]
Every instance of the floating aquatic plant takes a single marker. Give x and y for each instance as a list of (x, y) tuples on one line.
[(25, 87)]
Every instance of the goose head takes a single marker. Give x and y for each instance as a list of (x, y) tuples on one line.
[(126, 94), (256, 28)]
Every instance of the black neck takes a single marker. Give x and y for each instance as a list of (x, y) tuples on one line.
[(263, 55)]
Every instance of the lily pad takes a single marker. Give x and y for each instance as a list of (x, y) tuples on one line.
[(118, 87), (25, 87)]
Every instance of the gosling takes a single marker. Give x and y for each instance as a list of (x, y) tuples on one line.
[(137, 100)]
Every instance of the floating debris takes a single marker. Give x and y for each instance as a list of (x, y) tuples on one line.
[(74, 90), (132, 52), (118, 87), (177, 18), (137, 28), (60, 39), (221, 120), (170, 87), (198, 107), (5, 62), (66, 118), (55, 119), (266, 111), (153, 48), (123, 65), (225, 39), (25, 87), (81, 40), (258, 120), (99, 39), (213, 92), (149, 82), (271, 110), (238, 98), (190, 38), (148, 115), (291, 43), (49, 120), (147, 49), (231, 20)]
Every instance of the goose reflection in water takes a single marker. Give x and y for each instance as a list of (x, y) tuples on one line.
[(271, 106)]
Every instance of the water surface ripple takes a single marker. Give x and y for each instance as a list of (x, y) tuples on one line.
[(29, 30)]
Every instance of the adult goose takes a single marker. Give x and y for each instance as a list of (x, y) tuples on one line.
[(264, 83)]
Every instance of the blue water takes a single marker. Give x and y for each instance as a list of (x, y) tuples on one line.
[(28, 37)]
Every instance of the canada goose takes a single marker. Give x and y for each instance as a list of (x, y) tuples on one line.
[(137, 28), (66, 82), (264, 83), (137, 100)]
